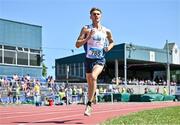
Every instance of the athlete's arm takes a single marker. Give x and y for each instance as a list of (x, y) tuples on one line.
[(110, 39), (83, 37)]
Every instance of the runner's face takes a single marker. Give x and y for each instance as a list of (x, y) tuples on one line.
[(96, 16)]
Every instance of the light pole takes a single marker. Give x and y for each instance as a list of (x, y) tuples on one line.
[(125, 66), (67, 73), (130, 47), (67, 87), (168, 67)]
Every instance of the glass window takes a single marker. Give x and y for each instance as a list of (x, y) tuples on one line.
[(10, 57), (81, 69), (35, 59), (58, 69), (34, 51), (10, 47), (22, 58), (0, 56), (26, 49), (62, 69), (77, 69), (72, 69), (20, 48)]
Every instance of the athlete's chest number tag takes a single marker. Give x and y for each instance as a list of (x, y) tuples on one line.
[(94, 52)]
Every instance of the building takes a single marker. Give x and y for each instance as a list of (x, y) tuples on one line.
[(20, 48), (141, 62)]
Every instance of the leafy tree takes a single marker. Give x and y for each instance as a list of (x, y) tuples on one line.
[(44, 70)]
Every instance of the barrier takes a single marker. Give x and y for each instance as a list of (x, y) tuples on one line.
[(169, 97), (125, 97), (135, 98), (152, 97)]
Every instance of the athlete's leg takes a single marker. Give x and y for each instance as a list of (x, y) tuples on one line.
[(88, 109), (92, 83), (89, 81), (97, 69)]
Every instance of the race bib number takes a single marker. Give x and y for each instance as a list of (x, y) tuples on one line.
[(94, 53)]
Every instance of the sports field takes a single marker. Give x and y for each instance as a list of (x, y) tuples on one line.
[(161, 116), (72, 114)]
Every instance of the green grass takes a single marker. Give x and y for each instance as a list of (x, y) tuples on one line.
[(162, 116)]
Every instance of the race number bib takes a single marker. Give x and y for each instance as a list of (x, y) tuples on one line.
[(94, 53)]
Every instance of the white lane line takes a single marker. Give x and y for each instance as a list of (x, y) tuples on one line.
[(73, 110), (105, 111), (97, 112), (42, 113), (51, 112)]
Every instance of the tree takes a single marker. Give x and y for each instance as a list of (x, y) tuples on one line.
[(44, 70)]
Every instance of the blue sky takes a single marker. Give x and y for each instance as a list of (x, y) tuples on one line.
[(141, 22)]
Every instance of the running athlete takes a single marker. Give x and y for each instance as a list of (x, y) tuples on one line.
[(94, 38)]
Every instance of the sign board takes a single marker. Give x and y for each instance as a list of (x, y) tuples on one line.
[(177, 90), (151, 56)]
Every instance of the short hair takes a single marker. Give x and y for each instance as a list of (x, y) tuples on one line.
[(94, 9)]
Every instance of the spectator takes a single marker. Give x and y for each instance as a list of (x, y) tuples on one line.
[(9, 94), (165, 91), (123, 90), (37, 93)]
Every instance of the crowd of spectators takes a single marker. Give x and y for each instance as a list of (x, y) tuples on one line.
[(26, 89), (13, 87), (136, 81)]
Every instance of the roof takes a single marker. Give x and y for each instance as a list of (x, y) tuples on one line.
[(133, 52), (20, 22)]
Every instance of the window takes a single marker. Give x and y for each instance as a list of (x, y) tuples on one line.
[(9, 57), (58, 69), (34, 51), (22, 58), (81, 69), (26, 49), (77, 69), (20, 49), (19, 56), (0, 55), (63, 69), (10, 47), (72, 69), (35, 59)]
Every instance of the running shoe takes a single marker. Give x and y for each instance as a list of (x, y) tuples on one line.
[(88, 110)]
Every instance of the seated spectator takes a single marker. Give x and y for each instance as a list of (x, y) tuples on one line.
[(165, 91)]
